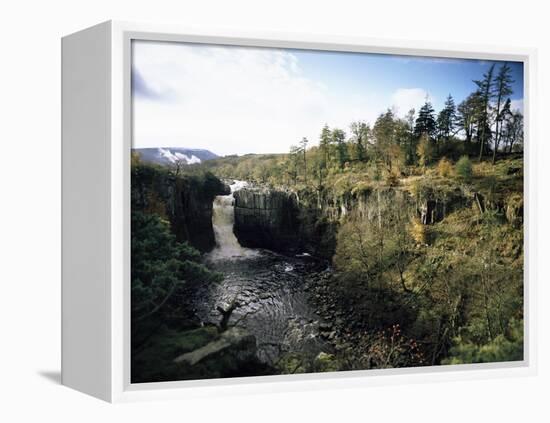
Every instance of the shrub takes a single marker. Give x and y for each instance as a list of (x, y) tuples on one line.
[(418, 231), (463, 168), (505, 347), (424, 150), (444, 168)]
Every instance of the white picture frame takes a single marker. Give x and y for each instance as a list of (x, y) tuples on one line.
[(96, 142)]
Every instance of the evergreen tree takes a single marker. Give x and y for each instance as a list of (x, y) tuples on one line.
[(360, 131), (485, 93), (303, 146), (425, 122), (446, 120), (467, 114), (410, 153), (161, 267), (503, 88), (324, 145), (293, 165), (339, 140), (384, 134)]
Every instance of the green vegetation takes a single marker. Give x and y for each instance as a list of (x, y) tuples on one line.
[(464, 168), (427, 228), (163, 270), (421, 219)]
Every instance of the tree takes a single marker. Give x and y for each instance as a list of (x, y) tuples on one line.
[(161, 267), (424, 150), (446, 120), (384, 137), (425, 122), (512, 132), (467, 115), (360, 134), (339, 140), (303, 146), (503, 88), (410, 153), (324, 145), (293, 164), (485, 93)]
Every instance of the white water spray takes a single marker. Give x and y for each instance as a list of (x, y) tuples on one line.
[(223, 218)]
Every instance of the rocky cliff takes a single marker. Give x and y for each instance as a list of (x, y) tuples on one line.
[(307, 221), (185, 200), (266, 218)]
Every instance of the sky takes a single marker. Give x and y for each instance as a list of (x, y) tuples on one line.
[(239, 100)]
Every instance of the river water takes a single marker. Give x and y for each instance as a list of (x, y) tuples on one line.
[(265, 289)]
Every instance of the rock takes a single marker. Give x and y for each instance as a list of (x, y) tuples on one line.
[(325, 362), (325, 326), (433, 206), (236, 342)]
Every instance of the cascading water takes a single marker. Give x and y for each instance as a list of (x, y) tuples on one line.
[(223, 218)]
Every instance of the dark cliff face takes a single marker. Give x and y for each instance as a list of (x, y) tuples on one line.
[(308, 221), (266, 219), (186, 201), (283, 221)]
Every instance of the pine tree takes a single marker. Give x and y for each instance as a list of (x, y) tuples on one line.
[(446, 120), (324, 145), (384, 136), (503, 88), (360, 131), (467, 114), (303, 146), (425, 122), (410, 146), (485, 93), (339, 140)]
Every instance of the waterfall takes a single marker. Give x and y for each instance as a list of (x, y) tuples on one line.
[(223, 218)]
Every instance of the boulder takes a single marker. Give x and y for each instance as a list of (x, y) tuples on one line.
[(235, 342)]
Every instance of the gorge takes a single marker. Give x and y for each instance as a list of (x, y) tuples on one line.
[(262, 291), (300, 279)]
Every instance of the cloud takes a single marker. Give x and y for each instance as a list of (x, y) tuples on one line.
[(405, 99), (140, 88), (224, 99), (517, 105), (232, 99)]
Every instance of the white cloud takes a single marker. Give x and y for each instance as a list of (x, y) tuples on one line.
[(405, 99), (233, 100), (517, 105)]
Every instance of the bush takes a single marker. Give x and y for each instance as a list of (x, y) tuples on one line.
[(463, 168), (444, 168), (424, 150), (418, 231), (505, 347)]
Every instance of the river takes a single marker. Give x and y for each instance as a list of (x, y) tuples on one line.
[(265, 289)]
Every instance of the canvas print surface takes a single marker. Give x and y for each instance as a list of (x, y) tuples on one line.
[(299, 211)]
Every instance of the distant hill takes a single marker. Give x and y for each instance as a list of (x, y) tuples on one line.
[(169, 155)]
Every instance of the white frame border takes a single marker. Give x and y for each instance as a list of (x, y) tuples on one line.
[(121, 390)]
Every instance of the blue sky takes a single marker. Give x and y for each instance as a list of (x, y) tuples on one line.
[(234, 100), (383, 74)]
